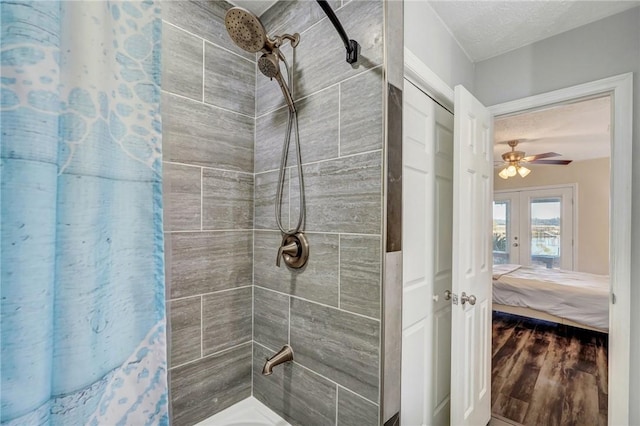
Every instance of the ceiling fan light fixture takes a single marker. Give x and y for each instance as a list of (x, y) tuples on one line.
[(523, 171), (503, 174), (511, 170)]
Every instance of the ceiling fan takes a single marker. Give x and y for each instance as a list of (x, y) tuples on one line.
[(514, 160)]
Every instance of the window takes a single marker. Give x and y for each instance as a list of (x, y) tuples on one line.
[(534, 227)]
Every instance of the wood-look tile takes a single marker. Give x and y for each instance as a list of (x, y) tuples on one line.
[(568, 387), (354, 410), (181, 62), (195, 133), (226, 319), (204, 262), (204, 387), (227, 200), (361, 109), (317, 281), (338, 345), (203, 18), (270, 318), (360, 268), (184, 323), (270, 132), (229, 80), (318, 124), (320, 61), (266, 186), (510, 408), (342, 195), (298, 395), (181, 193), (580, 405), (293, 16)]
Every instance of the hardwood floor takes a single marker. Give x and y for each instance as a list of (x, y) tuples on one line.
[(545, 373)]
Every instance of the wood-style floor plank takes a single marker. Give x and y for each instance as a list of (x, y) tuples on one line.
[(548, 374)]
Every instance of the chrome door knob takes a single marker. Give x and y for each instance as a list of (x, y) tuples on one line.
[(471, 298), (447, 295)]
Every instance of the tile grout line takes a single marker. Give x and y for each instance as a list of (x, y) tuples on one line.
[(203, 67), (211, 293), (319, 303), (337, 400), (339, 271), (331, 86), (379, 150), (164, 21), (339, 119), (201, 326), (178, 163), (177, 95), (220, 352), (201, 199)]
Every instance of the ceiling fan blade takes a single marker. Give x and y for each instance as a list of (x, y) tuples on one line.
[(540, 156), (552, 162)]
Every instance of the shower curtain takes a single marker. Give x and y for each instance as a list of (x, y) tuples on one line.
[(82, 302)]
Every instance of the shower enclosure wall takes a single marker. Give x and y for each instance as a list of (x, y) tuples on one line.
[(229, 306)]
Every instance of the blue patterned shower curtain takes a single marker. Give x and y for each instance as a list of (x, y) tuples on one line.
[(83, 319)]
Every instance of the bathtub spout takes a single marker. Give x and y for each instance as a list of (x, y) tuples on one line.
[(285, 354)]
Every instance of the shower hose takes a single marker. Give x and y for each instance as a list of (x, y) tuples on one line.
[(292, 123)]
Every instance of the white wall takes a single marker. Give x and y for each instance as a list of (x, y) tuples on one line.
[(602, 49), (592, 177), (430, 40)]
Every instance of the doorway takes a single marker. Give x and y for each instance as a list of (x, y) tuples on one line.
[(549, 352), (620, 88)]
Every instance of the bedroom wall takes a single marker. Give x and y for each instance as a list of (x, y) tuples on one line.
[(592, 177), (430, 40), (602, 49)]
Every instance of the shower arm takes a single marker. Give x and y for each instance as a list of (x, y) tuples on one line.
[(352, 46)]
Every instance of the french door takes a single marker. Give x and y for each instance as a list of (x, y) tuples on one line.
[(534, 227)]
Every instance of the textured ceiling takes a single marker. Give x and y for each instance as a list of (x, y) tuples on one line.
[(489, 28), (258, 7), (578, 131)]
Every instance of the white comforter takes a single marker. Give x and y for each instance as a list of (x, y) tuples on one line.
[(576, 296)]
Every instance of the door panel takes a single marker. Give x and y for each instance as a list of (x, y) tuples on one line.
[(427, 224), (471, 272)]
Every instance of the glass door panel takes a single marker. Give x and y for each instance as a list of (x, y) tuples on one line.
[(545, 229), (500, 232)]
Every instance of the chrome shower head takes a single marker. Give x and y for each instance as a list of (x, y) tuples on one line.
[(245, 29)]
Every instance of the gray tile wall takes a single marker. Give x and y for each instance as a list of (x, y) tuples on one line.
[(208, 126), (329, 312), (229, 305)]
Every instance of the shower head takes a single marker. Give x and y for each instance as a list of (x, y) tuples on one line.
[(245, 29), (268, 65)]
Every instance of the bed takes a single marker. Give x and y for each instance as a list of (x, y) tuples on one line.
[(573, 298)]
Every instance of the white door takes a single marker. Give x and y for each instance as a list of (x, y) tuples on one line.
[(427, 232), (472, 263)]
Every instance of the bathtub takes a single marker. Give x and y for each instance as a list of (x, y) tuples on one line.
[(248, 412)]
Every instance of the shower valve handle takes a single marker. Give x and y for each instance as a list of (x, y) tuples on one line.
[(291, 249)]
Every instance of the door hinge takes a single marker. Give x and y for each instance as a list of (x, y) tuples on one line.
[(613, 298)]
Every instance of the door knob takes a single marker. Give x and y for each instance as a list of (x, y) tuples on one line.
[(515, 244), (471, 299), (447, 295)]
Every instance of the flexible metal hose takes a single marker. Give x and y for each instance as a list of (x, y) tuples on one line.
[(291, 122)]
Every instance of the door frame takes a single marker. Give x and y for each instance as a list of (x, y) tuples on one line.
[(620, 88)]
